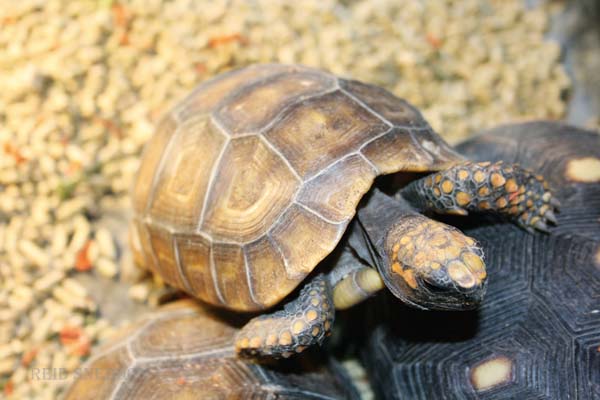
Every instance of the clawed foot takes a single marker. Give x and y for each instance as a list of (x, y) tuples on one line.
[(509, 190)]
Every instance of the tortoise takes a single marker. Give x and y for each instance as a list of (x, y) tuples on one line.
[(253, 180), (186, 351), (537, 334)]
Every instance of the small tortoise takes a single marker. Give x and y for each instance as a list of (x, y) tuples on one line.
[(186, 352), (537, 335), (251, 181)]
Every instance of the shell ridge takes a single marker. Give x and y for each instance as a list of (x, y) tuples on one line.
[(249, 278), (214, 276), (213, 174)]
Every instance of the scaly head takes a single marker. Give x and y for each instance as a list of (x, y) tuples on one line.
[(430, 265)]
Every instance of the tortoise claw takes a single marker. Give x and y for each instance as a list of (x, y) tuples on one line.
[(550, 216), (541, 226)]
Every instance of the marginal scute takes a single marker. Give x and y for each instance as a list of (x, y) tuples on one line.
[(335, 193), (256, 105), (195, 259), (318, 131), (209, 94), (232, 277), (395, 151), (252, 188), (150, 160), (267, 272), (304, 240), (183, 181), (162, 243)]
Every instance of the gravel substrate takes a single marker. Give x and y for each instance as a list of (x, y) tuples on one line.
[(82, 83)]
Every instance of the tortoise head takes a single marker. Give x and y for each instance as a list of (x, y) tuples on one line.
[(431, 265)]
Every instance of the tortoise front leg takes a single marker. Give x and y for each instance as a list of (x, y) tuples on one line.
[(509, 190), (303, 322)]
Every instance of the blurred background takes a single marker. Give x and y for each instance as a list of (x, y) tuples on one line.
[(84, 82)]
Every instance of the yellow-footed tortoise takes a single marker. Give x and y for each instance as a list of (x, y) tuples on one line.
[(185, 351), (537, 334), (252, 180)]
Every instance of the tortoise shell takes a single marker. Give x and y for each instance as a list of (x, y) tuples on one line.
[(186, 352), (251, 181), (537, 334)]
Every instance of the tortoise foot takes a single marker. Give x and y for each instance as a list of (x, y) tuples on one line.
[(302, 323), (505, 189)]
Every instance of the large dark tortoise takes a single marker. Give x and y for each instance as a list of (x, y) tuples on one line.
[(537, 334), (185, 351), (251, 181)]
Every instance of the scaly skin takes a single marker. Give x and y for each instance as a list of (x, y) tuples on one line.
[(303, 322), (508, 190)]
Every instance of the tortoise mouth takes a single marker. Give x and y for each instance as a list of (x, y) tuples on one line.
[(427, 294)]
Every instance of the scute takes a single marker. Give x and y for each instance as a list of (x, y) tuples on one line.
[(252, 108), (253, 186), (184, 351), (186, 174), (319, 131), (269, 157)]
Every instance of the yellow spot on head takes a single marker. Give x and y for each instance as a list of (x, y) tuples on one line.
[(447, 186), (460, 274), (327, 325), (313, 293), (397, 267), (435, 265), (484, 164), (315, 331), (420, 259), (311, 315), (462, 174), (586, 170), (396, 247), (243, 343), (437, 178), (437, 192), (285, 338), (511, 185), (497, 180), (409, 278), (314, 301), (404, 240), (451, 252), (491, 373), (501, 202), (463, 198), (428, 181), (484, 205), (300, 349)]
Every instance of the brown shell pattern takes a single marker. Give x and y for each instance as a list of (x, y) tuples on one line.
[(184, 351), (252, 180)]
